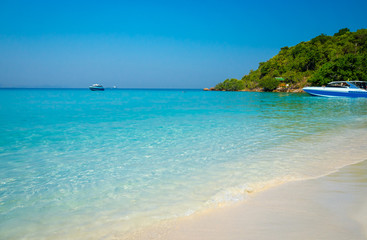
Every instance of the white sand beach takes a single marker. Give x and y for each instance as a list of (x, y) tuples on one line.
[(330, 207)]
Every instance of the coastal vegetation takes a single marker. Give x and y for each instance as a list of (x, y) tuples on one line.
[(323, 59), (230, 85)]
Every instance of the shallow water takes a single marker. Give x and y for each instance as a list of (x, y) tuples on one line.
[(331, 207), (81, 164)]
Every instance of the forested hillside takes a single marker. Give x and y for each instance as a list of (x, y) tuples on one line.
[(316, 62)]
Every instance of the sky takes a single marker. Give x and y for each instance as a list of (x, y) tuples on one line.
[(156, 44)]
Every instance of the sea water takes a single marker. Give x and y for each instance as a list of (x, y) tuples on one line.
[(77, 164)]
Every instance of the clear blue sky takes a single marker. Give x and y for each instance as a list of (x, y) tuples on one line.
[(156, 44)]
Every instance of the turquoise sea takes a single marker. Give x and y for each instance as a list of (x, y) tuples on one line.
[(77, 164)]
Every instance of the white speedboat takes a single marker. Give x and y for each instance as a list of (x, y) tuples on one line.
[(352, 89), (96, 87)]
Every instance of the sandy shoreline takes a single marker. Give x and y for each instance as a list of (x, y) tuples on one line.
[(330, 207)]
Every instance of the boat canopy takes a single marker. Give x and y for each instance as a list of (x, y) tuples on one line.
[(360, 84), (348, 84)]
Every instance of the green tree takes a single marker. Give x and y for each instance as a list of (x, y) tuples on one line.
[(269, 84), (321, 39), (341, 32), (230, 85), (348, 67)]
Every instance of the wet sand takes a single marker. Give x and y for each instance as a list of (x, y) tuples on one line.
[(330, 207)]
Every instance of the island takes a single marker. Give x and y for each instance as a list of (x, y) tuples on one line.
[(323, 59)]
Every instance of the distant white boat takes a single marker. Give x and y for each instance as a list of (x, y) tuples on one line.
[(96, 87)]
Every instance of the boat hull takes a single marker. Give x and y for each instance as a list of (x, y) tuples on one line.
[(96, 89), (336, 92)]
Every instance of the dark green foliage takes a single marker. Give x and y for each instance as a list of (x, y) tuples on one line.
[(269, 84), (316, 62), (321, 39), (230, 85), (348, 67), (341, 32)]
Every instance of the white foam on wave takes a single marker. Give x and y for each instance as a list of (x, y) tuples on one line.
[(309, 157)]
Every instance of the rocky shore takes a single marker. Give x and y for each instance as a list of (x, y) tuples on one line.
[(281, 89)]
